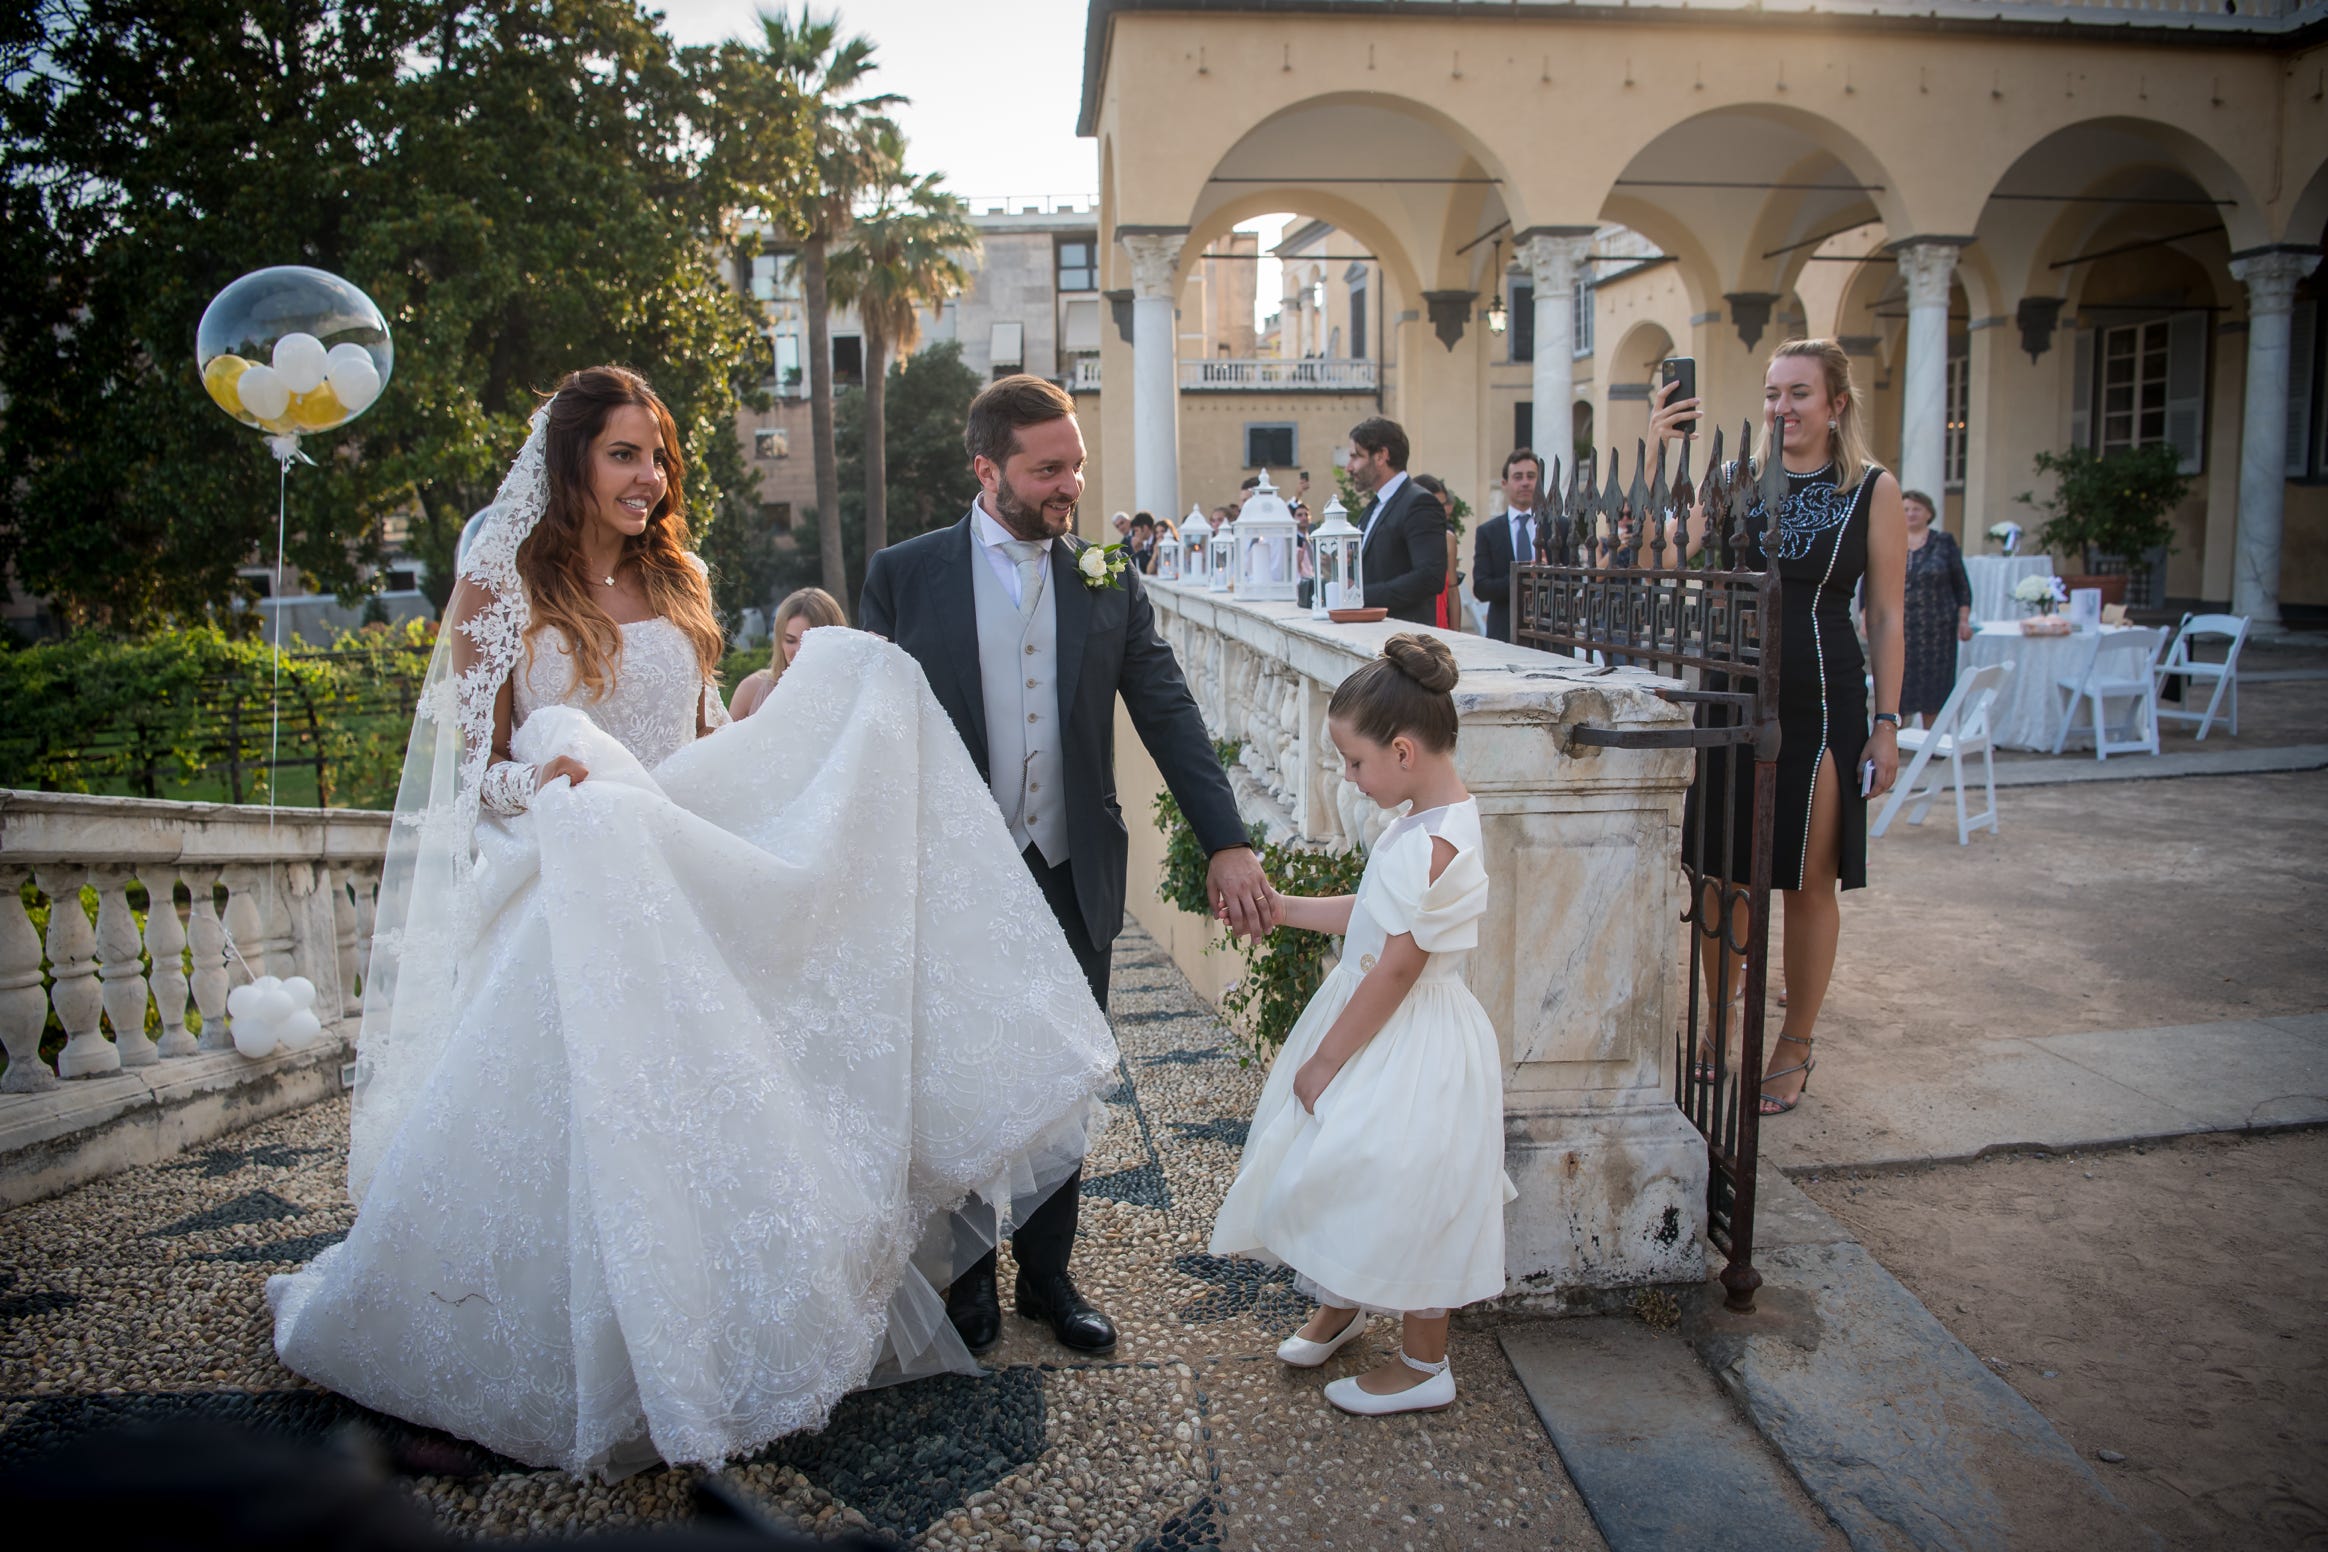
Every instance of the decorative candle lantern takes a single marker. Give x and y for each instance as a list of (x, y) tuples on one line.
[(1164, 563), (1341, 581), (1195, 545), (1268, 542), (1220, 563)]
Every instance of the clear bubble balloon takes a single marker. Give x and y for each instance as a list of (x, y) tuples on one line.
[(293, 350)]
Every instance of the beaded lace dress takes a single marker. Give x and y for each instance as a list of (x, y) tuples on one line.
[(682, 1090)]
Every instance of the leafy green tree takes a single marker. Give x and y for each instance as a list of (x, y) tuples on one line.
[(929, 478), (901, 256), (522, 185), (810, 72)]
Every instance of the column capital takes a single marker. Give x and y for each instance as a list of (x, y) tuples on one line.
[(1553, 254), (1928, 264), (2271, 275), (1155, 252)]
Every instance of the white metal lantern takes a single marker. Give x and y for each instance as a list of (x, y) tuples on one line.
[(1164, 563), (1268, 547), (1195, 545), (1220, 563), (1341, 582)]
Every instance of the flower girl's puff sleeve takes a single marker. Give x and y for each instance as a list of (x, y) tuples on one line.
[(1442, 914)]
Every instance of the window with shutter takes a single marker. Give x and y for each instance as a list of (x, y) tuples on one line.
[(2303, 366), (2081, 389), (2186, 389)]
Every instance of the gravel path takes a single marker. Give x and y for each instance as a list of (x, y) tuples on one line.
[(140, 1297)]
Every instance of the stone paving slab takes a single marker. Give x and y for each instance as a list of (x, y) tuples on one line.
[(1897, 1431), (1662, 1457), (2038, 770), (141, 1296), (2092, 1089)]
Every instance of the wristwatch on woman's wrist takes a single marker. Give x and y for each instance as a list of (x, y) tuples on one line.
[(1891, 717)]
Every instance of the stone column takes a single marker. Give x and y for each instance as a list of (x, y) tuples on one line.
[(1928, 266), (2270, 276), (1553, 255), (1155, 372)]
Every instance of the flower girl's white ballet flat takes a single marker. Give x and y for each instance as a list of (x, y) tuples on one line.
[(1432, 1395), (1302, 1353)]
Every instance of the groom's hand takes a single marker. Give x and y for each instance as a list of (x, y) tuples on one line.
[(1240, 891)]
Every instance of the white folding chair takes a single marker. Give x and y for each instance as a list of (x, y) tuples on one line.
[(1958, 729), (2117, 668), (2178, 660)]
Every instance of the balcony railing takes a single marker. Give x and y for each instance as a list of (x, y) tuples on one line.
[(173, 883), (1084, 376), (1224, 374)]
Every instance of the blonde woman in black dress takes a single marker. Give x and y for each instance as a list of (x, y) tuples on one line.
[(1840, 522)]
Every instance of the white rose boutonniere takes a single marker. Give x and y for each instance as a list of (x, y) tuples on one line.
[(1100, 567)]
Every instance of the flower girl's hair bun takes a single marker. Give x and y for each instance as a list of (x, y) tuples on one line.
[(1404, 691)]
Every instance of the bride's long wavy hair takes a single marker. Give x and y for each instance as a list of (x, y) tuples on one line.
[(559, 587)]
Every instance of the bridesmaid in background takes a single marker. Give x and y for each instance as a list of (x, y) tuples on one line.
[(1938, 611), (799, 614)]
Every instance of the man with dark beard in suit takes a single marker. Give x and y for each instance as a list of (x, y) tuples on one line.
[(1404, 550), (1028, 652)]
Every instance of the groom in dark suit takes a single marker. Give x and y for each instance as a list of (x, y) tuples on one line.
[(1404, 551), (1028, 653)]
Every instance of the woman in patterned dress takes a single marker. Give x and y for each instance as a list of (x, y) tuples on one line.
[(1839, 522), (1938, 611)]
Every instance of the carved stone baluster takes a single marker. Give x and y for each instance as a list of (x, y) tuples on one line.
[(206, 936), (245, 930), (280, 942), (343, 927), (120, 975), (166, 947), (367, 885), (23, 994), (72, 952), (313, 946)]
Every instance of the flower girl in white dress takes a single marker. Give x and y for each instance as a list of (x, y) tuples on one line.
[(1374, 1166)]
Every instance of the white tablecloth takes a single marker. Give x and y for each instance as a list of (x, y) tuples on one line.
[(2027, 713), (1993, 578)]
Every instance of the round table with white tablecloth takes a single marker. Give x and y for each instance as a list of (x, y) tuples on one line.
[(1993, 578), (2028, 710)]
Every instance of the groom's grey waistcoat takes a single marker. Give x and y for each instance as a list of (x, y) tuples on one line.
[(918, 593), (1018, 665)]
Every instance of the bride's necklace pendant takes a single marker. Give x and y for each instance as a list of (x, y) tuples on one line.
[(610, 581)]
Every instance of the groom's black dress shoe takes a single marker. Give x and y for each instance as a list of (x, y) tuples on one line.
[(975, 1309), (1073, 1318)]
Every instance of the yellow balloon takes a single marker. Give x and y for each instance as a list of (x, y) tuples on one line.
[(219, 377), (318, 409)]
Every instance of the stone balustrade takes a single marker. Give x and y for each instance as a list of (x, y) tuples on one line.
[(229, 896), (1575, 963)]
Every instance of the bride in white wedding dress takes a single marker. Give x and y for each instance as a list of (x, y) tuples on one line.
[(681, 1054)]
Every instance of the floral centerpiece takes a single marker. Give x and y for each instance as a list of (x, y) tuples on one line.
[(2044, 594), (2006, 536)]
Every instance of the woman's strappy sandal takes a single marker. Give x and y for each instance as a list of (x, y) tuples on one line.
[(1772, 1105)]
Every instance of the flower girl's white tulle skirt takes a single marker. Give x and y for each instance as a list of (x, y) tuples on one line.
[(736, 1037)]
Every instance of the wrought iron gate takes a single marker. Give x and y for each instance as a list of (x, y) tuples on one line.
[(1713, 625)]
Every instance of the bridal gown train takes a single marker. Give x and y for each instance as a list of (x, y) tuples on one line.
[(746, 1018)]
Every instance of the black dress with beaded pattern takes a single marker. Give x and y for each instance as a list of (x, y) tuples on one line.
[(1820, 550)]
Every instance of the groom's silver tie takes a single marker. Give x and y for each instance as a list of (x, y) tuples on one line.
[(1027, 555)]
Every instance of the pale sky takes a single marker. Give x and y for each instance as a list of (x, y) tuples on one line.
[(994, 102), (995, 89)]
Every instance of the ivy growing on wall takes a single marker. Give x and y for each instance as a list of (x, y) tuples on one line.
[(1284, 970)]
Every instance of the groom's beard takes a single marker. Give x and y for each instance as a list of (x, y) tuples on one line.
[(1029, 520)]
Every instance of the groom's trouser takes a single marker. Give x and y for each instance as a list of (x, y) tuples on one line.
[(1044, 1242)]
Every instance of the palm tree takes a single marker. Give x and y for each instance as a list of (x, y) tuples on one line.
[(904, 254), (856, 147)]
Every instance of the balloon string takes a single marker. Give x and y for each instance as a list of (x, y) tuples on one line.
[(275, 691)]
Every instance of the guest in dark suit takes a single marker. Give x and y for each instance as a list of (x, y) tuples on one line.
[(1028, 657), (1404, 550), (1500, 541)]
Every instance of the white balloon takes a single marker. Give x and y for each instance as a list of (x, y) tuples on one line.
[(300, 360), (255, 1038), (355, 383), (340, 355), (268, 983), (264, 394), (238, 1001), (271, 1006), (303, 1030), (302, 992)]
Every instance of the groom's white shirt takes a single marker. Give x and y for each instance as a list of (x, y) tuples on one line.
[(992, 536)]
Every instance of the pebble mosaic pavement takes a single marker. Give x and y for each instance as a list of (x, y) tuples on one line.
[(140, 1297)]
